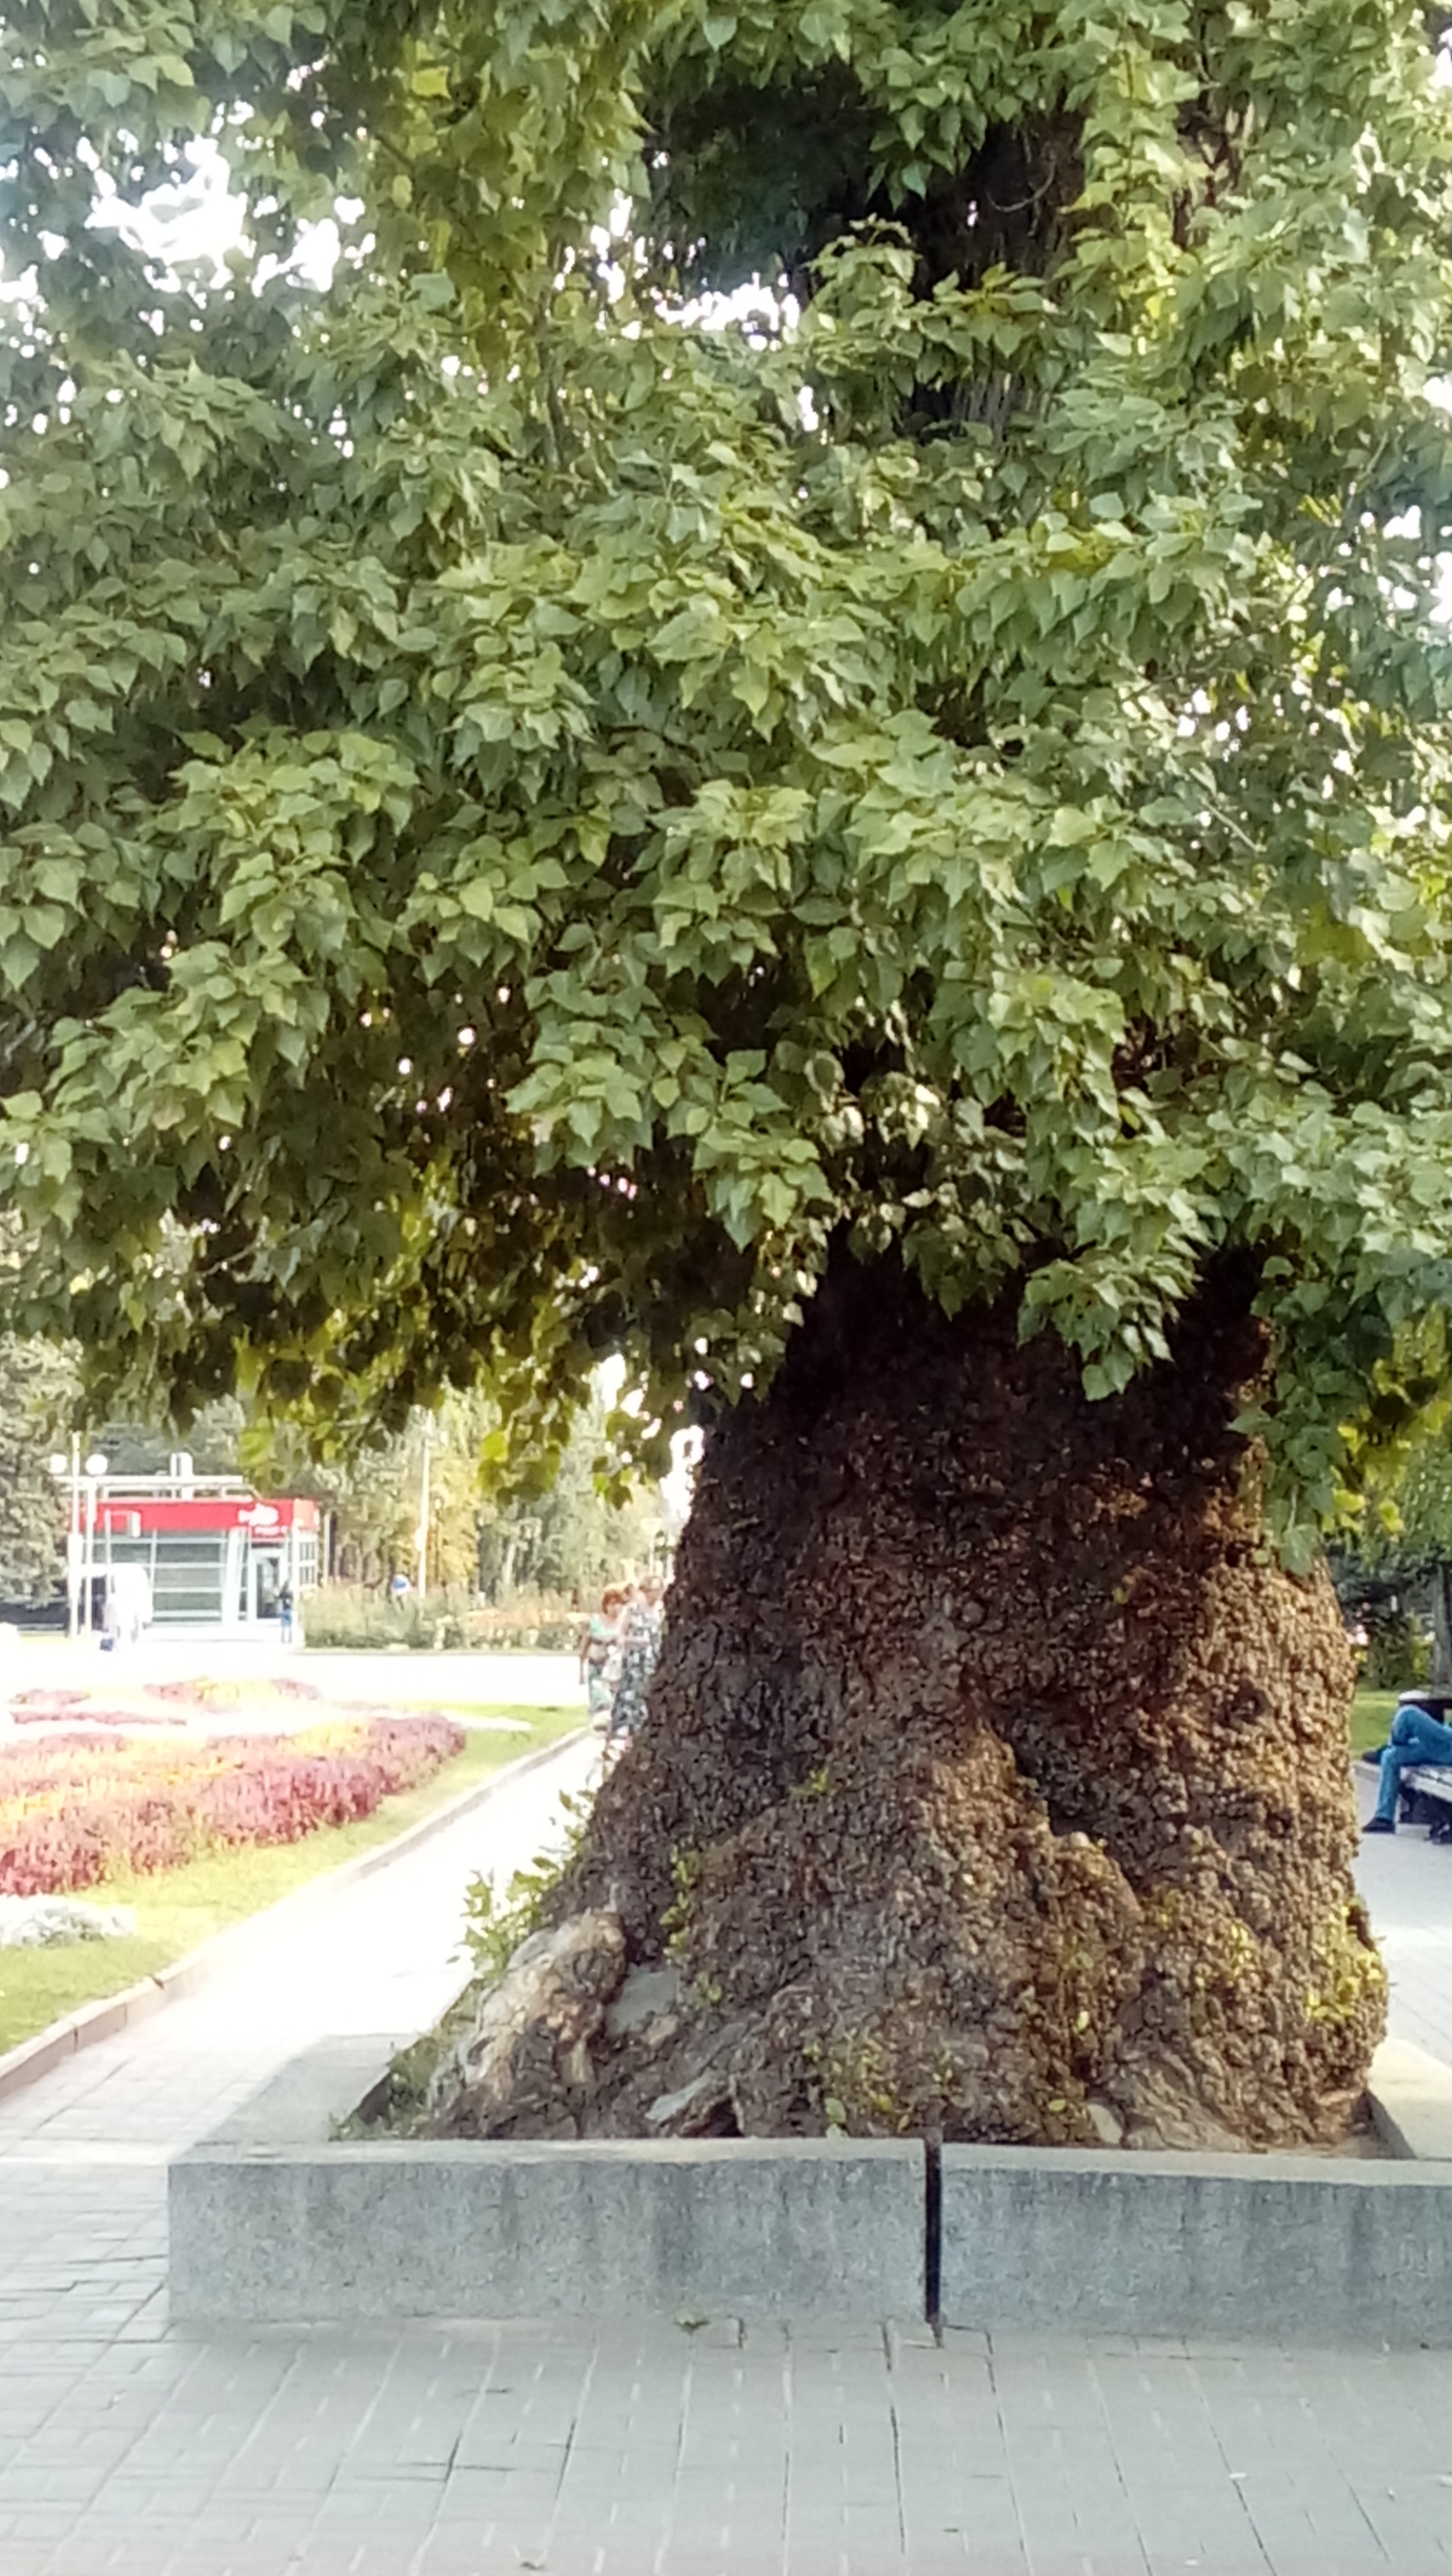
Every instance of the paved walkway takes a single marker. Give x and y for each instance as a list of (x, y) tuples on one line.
[(128, 2448), (423, 1680), (1407, 1882)]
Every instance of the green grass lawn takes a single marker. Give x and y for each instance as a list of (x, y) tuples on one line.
[(180, 1908), (1371, 1718)]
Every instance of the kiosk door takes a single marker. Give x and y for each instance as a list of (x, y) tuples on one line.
[(266, 1566)]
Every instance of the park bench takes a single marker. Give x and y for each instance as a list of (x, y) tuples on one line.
[(1426, 1793), (1432, 1783)]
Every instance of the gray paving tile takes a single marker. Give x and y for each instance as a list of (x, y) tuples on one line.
[(127, 2449)]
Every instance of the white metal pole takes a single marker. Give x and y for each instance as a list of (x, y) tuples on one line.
[(89, 1560), (95, 1469)]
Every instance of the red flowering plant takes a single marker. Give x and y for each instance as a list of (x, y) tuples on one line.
[(81, 1807)]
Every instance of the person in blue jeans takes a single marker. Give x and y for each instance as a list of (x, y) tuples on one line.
[(1416, 1736)]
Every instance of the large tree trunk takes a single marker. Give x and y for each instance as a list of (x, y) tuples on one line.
[(994, 1783)]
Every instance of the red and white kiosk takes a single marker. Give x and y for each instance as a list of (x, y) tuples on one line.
[(217, 1556)]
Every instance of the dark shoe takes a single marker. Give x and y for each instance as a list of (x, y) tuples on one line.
[(1379, 1825), (1373, 1758)]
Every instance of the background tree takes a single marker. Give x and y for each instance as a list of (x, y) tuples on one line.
[(905, 828), (212, 1440), (42, 1402), (1393, 1568), (374, 1490), (39, 1393), (568, 1538), (577, 1536)]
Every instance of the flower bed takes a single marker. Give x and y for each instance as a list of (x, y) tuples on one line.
[(78, 1808), (237, 1691), (71, 1709)]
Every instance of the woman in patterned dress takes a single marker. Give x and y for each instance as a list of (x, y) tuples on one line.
[(640, 1628)]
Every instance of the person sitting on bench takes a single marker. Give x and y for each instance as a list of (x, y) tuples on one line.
[(1416, 1737)]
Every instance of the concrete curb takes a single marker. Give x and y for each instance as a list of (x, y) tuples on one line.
[(273, 2220), (1257, 2249), (35, 2057), (822, 2228)]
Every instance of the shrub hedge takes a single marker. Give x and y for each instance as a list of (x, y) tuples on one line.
[(352, 1614)]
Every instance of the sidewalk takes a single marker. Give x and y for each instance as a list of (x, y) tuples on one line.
[(1407, 1884), (131, 2449), (379, 1955)]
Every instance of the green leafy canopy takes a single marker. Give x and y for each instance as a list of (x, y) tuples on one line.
[(530, 800)]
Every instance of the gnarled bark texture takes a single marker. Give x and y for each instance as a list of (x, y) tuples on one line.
[(994, 1783)]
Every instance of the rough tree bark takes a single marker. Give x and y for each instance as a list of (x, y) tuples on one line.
[(994, 1783)]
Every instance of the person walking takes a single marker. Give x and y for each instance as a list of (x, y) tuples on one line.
[(640, 1632), (600, 1655)]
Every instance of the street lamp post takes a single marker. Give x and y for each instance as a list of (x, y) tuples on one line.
[(70, 1468), (95, 1470)]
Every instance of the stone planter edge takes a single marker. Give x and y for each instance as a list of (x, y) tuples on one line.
[(273, 2223)]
